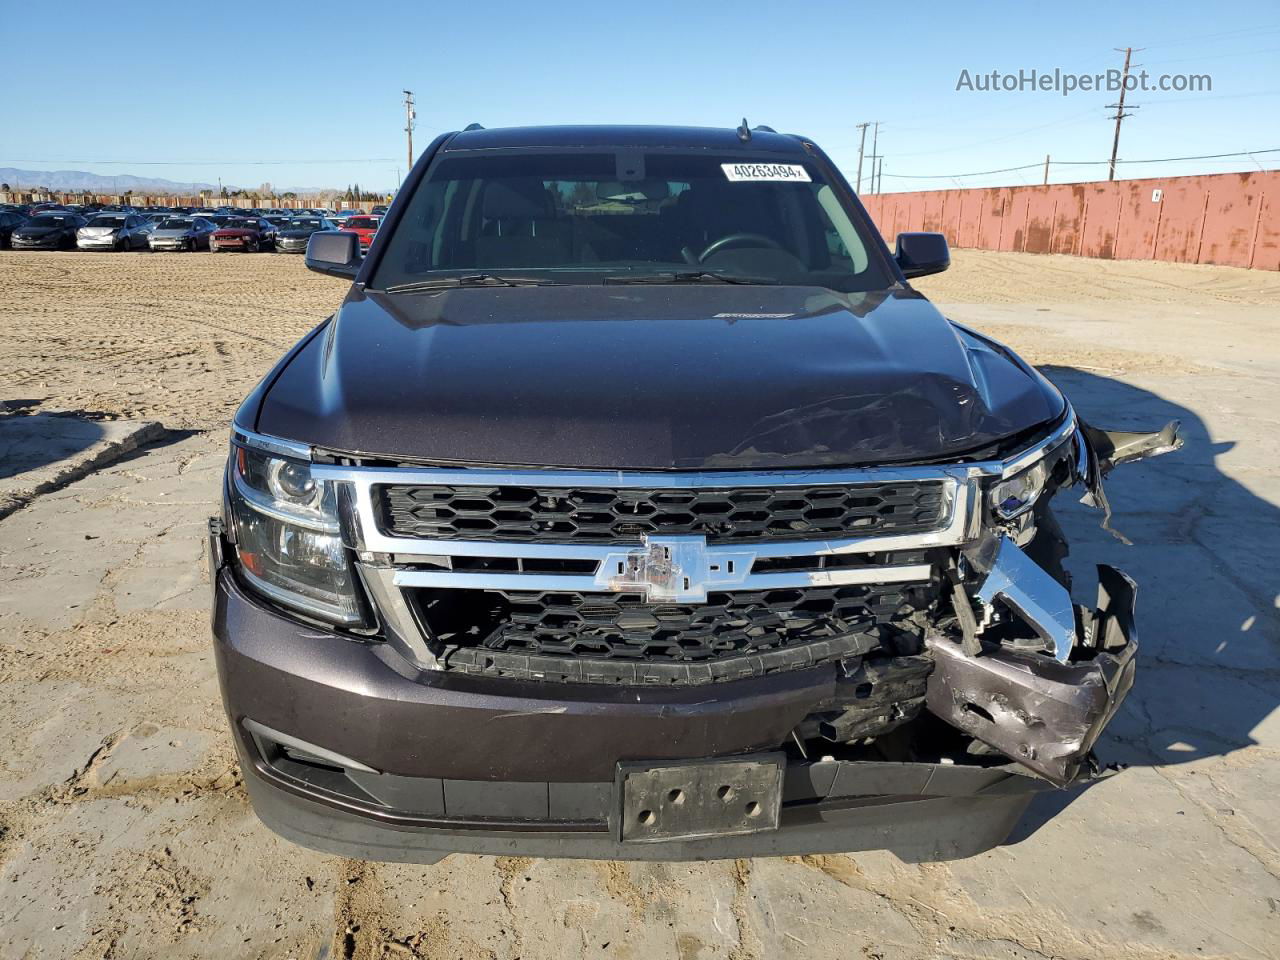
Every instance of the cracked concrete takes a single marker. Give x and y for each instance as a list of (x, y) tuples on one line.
[(125, 830), (44, 452)]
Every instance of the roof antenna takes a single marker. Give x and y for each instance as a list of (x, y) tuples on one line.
[(472, 126), (744, 131)]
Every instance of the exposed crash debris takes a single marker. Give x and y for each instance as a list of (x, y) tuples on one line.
[(1103, 450), (1114, 447), (877, 697), (1044, 604), (756, 556), (1043, 715)]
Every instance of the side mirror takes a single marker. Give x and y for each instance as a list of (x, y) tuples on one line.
[(920, 254), (334, 254)]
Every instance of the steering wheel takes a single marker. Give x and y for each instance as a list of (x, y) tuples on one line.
[(738, 240)]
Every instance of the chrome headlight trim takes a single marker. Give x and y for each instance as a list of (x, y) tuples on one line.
[(269, 444), (288, 545), (1033, 464)]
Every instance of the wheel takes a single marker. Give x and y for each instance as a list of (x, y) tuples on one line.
[(251, 246)]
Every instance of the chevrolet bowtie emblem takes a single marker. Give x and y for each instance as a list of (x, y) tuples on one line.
[(677, 569)]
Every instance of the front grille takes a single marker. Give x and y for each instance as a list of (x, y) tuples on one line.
[(623, 638), (562, 514)]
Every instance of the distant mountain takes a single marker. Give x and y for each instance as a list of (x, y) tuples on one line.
[(94, 182), (70, 180)]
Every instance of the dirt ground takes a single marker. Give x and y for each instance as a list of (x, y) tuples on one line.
[(125, 831)]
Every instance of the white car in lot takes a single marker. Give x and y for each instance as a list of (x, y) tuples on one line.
[(113, 231)]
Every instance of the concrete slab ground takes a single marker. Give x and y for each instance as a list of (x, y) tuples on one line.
[(45, 451), (125, 831)]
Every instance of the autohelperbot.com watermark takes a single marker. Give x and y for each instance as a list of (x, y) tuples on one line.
[(1065, 82)]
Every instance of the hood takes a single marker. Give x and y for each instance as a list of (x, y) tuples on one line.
[(171, 232), (298, 234), (98, 231), (651, 377), (29, 230), (235, 232)]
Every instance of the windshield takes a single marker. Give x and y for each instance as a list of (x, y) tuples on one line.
[(107, 222), (362, 223), (176, 224), (581, 217), (52, 220)]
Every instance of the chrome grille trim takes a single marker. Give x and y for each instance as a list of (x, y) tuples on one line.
[(580, 583), (961, 491)]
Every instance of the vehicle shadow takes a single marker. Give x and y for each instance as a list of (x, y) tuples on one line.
[(1205, 550), (29, 442)]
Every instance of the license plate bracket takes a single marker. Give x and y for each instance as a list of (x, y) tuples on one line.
[(688, 800)]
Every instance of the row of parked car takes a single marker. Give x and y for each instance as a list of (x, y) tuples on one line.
[(58, 227)]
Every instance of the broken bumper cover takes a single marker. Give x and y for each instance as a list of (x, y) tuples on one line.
[(1044, 713), (345, 749)]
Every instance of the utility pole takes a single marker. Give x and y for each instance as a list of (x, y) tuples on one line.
[(409, 116), (1046, 169), (875, 139), (1119, 109), (879, 174), (861, 144)]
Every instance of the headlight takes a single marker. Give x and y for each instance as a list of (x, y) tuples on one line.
[(287, 536), (1050, 465), (1018, 494)]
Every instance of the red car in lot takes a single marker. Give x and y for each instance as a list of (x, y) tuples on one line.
[(250, 234), (365, 227)]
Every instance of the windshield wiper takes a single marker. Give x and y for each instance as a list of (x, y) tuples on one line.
[(472, 280), (692, 276)]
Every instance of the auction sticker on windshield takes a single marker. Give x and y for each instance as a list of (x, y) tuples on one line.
[(740, 172)]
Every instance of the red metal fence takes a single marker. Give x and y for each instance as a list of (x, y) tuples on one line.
[(1229, 218)]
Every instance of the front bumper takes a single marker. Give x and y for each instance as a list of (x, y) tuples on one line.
[(349, 748), (25, 243)]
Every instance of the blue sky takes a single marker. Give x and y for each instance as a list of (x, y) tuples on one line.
[(313, 91)]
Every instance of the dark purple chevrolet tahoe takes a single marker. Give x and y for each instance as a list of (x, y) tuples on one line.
[(634, 505)]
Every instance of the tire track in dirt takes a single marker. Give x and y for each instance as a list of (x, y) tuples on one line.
[(175, 338)]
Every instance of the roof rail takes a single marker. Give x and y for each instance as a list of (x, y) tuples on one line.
[(763, 129), (472, 126)]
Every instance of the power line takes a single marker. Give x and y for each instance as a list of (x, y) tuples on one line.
[(1206, 156), (1205, 38), (1073, 118), (1218, 56), (950, 176), (1077, 163)]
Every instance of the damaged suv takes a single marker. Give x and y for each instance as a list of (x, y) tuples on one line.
[(634, 505)]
